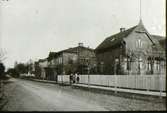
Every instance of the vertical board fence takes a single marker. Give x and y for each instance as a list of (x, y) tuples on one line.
[(143, 82)]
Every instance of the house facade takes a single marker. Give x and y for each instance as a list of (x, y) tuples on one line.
[(78, 59), (61, 62), (42, 65), (131, 51)]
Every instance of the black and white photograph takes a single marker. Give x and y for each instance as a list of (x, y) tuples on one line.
[(82, 55)]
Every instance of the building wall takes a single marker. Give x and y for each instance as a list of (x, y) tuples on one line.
[(87, 61), (141, 45), (137, 48), (69, 62), (43, 65), (138, 44), (67, 57), (138, 41), (106, 59)]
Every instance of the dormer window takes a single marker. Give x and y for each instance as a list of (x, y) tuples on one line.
[(112, 39)]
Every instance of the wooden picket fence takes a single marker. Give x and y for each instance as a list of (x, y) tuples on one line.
[(141, 82)]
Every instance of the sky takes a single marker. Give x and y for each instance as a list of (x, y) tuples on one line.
[(30, 29)]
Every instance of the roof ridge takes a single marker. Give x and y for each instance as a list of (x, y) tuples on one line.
[(117, 36), (122, 32)]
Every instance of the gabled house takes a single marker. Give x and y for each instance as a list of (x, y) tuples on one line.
[(131, 51), (73, 60), (59, 61)]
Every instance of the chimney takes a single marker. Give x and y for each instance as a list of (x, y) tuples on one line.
[(80, 44), (122, 29)]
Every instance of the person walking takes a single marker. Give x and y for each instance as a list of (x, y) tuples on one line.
[(71, 78), (74, 78), (78, 79)]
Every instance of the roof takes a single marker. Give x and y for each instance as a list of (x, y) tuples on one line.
[(157, 37), (115, 39), (75, 49), (51, 55), (160, 40), (42, 60), (118, 38), (163, 43), (69, 50)]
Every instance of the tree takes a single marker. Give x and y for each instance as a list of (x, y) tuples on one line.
[(12, 72), (21, 68), (2, 55), (2, 70)]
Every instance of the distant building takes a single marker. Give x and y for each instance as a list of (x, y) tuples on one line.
[(78, 59), (42, 64), (37, 71), (132, 51)]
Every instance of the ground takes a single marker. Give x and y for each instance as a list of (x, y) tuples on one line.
[(25, 95)]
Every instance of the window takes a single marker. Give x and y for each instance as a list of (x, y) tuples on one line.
[(112, 39), (101, 67), (60, 60), (70, 61), (139, 43), (157, 65), (128, 64), (148, 65)]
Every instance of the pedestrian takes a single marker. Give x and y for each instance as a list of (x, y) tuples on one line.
[(77, 79), (71, 78)]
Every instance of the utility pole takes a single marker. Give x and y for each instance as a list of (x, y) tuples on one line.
[(140, 11), (115, 74), (88, 73), (62, 68)]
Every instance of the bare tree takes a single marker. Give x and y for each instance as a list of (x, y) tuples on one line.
[(2, 55)]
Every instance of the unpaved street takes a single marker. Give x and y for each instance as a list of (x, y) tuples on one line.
[(24, 95)]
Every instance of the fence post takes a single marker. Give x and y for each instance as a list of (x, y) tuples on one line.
[(127, 80), (160, 84), (115, 83), (88, 81), (62, 79), (136, 81), (146, 80), (0, 89), (115, 69), (108, 77)]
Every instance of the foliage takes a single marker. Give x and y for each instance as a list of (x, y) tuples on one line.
[(21, 68), (2, 69), (2, 55), (13, 72)]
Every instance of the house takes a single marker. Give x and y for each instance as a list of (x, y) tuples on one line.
[(40, 67), (73, 60), (37, 71), (132, 51)]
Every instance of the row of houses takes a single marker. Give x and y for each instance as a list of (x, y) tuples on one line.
[(131, 51), (80, 59)]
